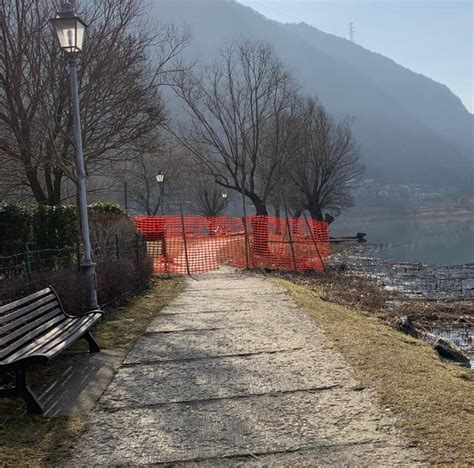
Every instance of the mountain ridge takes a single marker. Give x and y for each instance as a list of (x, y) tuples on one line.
[(400, 144)]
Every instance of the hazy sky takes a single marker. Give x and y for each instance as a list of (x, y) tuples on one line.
[(432, 37)]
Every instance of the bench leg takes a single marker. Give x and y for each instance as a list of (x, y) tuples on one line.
[(93, 345), (33, 406)]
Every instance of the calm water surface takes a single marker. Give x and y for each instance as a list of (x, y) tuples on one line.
[(415, 240)]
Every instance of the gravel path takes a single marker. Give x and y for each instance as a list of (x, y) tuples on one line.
[(232, 373)]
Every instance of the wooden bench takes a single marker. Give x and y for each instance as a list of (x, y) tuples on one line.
[(33, 330)]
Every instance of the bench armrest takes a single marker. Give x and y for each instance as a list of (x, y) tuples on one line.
[(96, 311), (83, 314)]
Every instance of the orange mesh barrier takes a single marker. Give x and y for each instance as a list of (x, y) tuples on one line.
[(194, 244)]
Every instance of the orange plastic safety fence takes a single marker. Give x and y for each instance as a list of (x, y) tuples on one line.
[(194, 244)]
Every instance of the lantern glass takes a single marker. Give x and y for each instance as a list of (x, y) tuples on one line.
[(224, 195), (70, 32), (160, 178)]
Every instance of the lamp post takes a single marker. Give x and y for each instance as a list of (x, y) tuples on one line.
[(225, 196), (160, 178), (70, 30)]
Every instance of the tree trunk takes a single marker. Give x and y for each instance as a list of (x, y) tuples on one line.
[(316, 213), (295, 221), (260, 228), (54, 192), (35, 185), (278, 220)]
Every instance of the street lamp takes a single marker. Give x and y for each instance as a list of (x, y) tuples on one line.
[(160, 178), (225, 196), (70, 30)]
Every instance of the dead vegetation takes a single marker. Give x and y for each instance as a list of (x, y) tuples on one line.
[(360, 293)]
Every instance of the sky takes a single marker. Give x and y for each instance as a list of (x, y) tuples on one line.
[(431, 37)]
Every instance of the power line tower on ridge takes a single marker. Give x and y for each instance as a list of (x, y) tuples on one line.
[(351, 31)]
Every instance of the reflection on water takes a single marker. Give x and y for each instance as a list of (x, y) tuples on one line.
[(411, 239)]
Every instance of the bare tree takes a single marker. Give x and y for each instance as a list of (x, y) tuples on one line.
[(326, 166), (207, 195), (122, 67), (235, 109), (140, 170)]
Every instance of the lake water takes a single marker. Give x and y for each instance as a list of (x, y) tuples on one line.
[(434, 244), (411, 239)]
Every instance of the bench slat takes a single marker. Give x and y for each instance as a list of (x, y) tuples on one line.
[(31, 329), (19, 313), (28, 321), (13, 305), (30, 348), (54, 347), (55, 320), (59, 338)]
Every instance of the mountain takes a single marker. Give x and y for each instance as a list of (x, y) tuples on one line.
[(410, 128)]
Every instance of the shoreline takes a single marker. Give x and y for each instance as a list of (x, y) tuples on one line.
[(379, 289)]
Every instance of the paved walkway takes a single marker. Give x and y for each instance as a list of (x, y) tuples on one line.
[(232, 373)]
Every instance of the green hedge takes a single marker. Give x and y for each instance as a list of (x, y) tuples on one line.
[(44, 227)]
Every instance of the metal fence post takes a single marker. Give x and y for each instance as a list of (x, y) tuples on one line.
[(314, 241), (78, 256), (137, 243), (28, 263), (117, 247), (185, 240), (291, 243)]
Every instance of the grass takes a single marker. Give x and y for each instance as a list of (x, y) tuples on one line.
[(48, 441), (432, 401)]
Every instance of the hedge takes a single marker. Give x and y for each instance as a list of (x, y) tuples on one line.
[(44, 227)]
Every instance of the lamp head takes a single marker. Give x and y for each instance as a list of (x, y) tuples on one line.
[(69, 28)]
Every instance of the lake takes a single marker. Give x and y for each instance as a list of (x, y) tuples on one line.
[(411, 239)]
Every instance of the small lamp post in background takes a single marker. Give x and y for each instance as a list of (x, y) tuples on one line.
[(70, 30), (225, 197), (160, 178)]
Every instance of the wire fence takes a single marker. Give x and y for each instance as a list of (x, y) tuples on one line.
[(193, 244), (28, 262)]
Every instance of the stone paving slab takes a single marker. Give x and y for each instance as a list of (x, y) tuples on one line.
[(246, 294), (220, 378), (232, 427), (205, 304), (340, 455), (211, 343), (211, 307), (166, 322)]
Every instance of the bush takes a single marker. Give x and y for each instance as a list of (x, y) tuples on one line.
[(116, 280), (15, 228), (51, 234), (54, 227)]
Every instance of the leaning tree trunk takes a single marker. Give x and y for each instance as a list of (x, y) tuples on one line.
[(260, 229), (316, 213)]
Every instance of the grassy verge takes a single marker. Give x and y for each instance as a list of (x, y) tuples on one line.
[(47, 441), (432, 401)]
